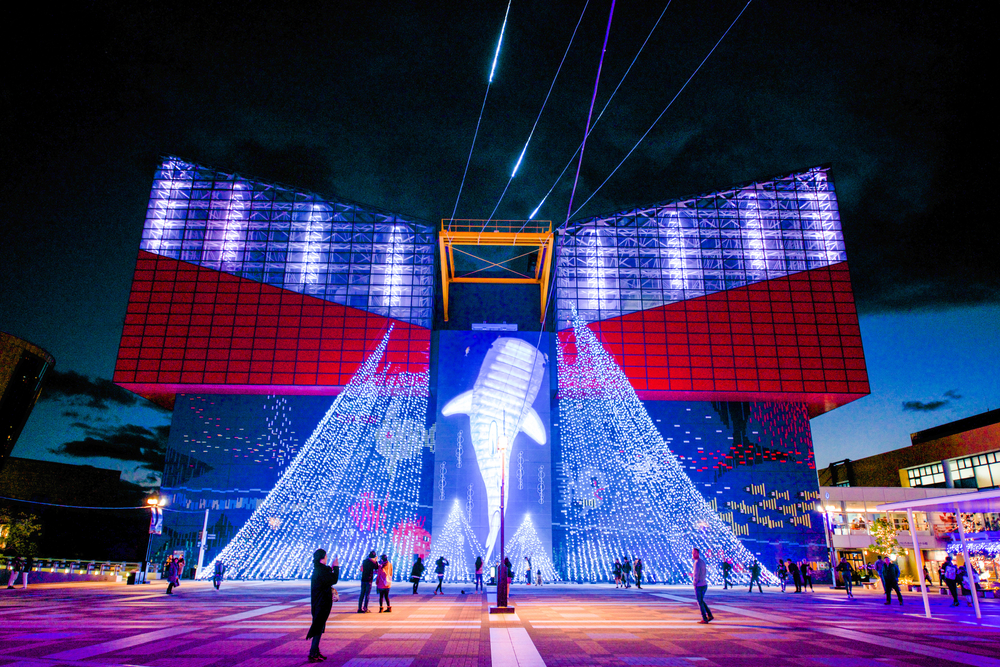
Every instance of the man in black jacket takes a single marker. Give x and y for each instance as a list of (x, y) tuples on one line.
[(368, 567), (321, 598)]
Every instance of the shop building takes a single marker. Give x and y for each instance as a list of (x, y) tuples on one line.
[(851, 514), (963, 454)]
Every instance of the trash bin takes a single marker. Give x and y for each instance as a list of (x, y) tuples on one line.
[(131, 579)]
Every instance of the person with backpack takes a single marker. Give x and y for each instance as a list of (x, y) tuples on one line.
[(16, 565), (890, 577), (700, 579), (368, 567), (439, 566), (793, 570), (755, 576), (417, 573), (847, 573), (782, 573), (950, 574), (383, 580), (627, 572), (806, 571)]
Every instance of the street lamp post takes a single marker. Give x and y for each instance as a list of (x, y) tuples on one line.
[(503, 582), (154, 504)]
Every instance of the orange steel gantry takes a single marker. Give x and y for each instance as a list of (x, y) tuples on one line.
[(534, 234)]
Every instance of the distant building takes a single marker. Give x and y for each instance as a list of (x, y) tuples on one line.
[(961, 454), (22, 369), (68, 532)]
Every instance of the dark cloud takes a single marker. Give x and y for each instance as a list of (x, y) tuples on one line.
[(951, 393), (129, 443), (84, 391), (920, 406)]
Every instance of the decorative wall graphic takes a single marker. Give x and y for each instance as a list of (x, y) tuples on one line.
[(541, 485), (652, 509), (353, 487), (458, 449), (520, 470), (457, 542), (500, 406), (525, 543)]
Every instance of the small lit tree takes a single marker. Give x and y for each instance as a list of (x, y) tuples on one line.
[(886, 543), (19, 533)]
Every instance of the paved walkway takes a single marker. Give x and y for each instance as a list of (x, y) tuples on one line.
[(263, 624)]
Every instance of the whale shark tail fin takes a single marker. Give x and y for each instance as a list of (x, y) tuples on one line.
[(533, 427), (461, 404)]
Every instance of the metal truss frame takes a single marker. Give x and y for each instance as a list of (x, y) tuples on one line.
[(534, 234)]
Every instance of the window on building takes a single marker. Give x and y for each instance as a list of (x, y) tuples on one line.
[(931, 475), (976, 472)]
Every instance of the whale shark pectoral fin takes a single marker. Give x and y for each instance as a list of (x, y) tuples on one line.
[(533, 427), (461, 404)]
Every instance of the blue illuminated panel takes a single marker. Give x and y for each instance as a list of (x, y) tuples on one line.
[(610, 266), (341, 252)]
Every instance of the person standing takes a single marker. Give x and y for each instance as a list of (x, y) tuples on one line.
[(879, 567), (806, 571), (949, 574), (417, 572), (793, 570), (627, 572), (439, 566), (220, 573), (847, 573), (16, 565), (173, 576), (782, 574), (618, 573), (527, 575), (324, 578), (538, 577), (890, 577), (638, 573), (479, 574), (700, 578), (383, 580), (755, 576), (727, 569), (368, 567)]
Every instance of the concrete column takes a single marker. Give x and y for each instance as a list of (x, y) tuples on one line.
[(920, 562), (968, 563)]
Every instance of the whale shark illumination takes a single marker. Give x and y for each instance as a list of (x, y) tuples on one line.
[(498, 406)]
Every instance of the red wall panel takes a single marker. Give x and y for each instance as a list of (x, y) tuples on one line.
[(191, 329), (793, 338)]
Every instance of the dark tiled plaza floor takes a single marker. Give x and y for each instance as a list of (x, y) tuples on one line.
[(260, 624)]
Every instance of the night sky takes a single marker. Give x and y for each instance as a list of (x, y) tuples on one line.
[(377, 103)]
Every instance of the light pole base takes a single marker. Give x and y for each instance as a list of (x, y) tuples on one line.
[(501, 610)]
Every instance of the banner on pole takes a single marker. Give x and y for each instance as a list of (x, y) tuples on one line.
[(156, 522)]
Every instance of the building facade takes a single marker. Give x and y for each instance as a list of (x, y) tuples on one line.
[(320, 400), (22, 371), (963, 454)]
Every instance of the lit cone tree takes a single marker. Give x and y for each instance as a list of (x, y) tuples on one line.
[(626, 495), (525, 543), (354, 481), (458, 544)]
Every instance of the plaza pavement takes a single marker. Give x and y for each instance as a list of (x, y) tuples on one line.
[(263, 624)]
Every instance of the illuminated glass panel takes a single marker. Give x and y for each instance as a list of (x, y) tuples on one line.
[(336, 251), (929, 475), (981, 471), (609, 266)]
